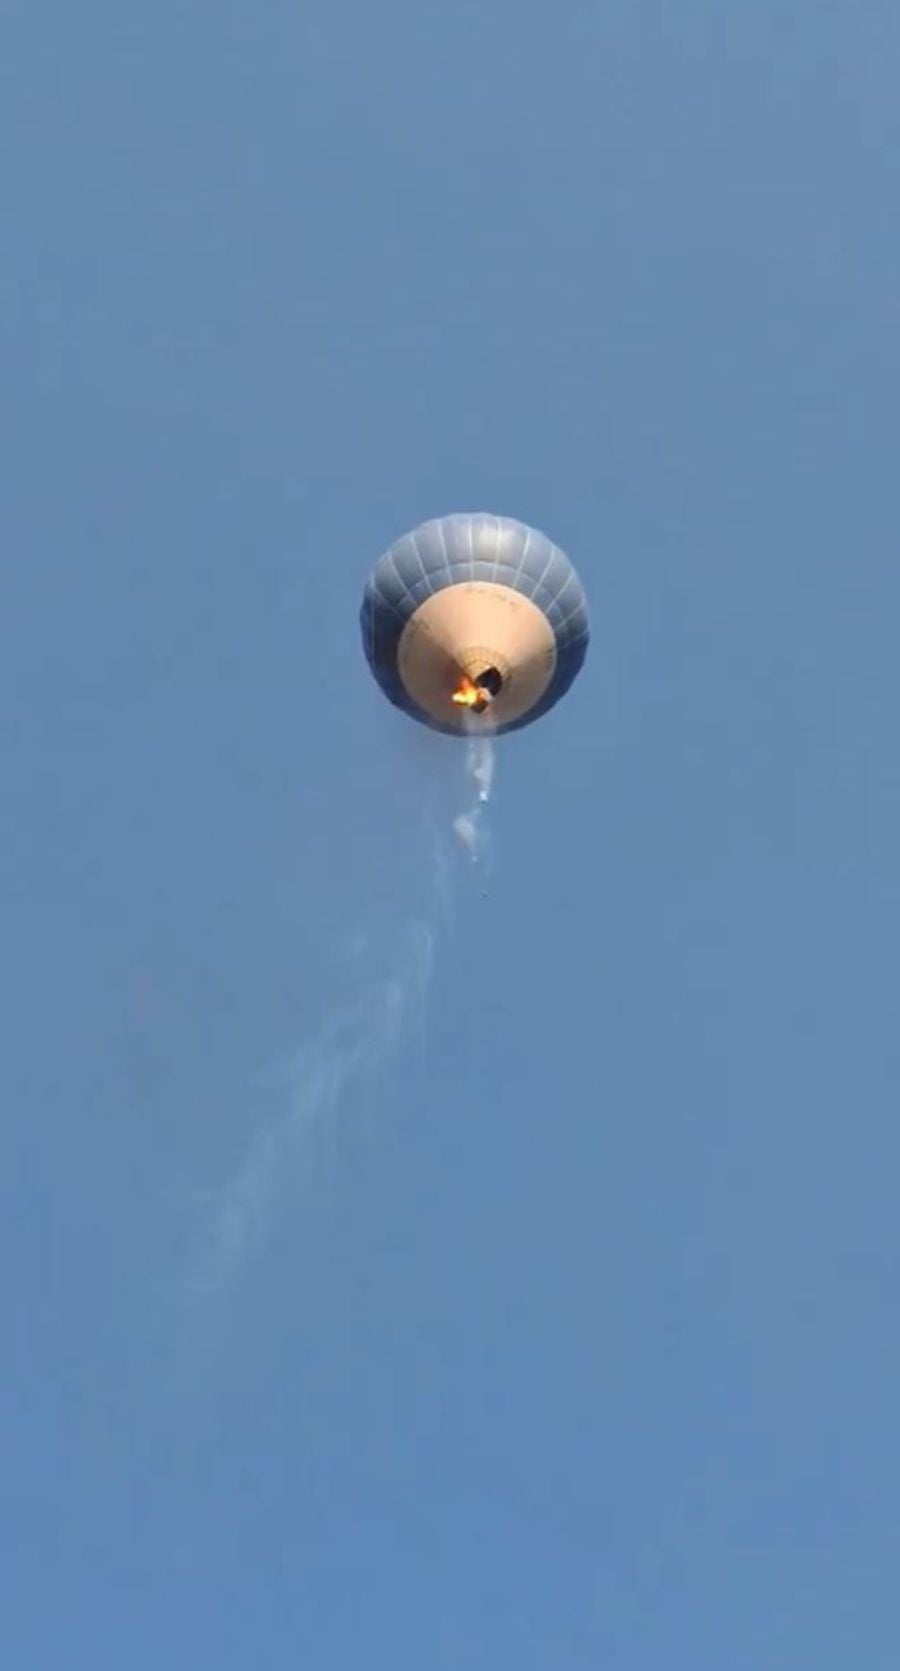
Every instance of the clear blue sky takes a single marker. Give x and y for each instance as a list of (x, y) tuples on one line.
[(570, 1337)]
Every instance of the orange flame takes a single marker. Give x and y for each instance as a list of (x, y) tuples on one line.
[(468, 695)]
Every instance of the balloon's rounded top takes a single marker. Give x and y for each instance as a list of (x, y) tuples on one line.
[(474, 622)]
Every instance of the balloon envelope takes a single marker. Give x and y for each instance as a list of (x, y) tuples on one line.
[(474, 621)]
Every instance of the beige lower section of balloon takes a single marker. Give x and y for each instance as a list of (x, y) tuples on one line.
[(465, 629)]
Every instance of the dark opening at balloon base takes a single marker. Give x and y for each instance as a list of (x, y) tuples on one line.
[(487, 685), (476, 695), (491, 680)]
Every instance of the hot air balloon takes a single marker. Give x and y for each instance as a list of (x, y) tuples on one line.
[(474, 621)]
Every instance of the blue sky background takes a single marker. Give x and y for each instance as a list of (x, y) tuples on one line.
[(570, 1336)]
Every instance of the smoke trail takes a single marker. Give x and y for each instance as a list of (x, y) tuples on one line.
[(469, 825), (480, 765), (342, 1059)]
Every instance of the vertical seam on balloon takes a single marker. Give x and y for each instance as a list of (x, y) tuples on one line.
[(564, 588), (496, 569), (540, 580), (425, 575), (400, 580), (443, 548), (387, 602), (518, 574), (572, 614)]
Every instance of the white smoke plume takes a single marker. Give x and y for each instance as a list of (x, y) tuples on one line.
[(343, 1058), (469, 825), (480, 765)]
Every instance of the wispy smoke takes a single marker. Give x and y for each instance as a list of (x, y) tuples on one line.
[(344, 1057), (339, 1061), (480, 765), (469, 825)]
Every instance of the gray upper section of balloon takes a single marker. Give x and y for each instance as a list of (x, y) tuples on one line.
[(473, 546)]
